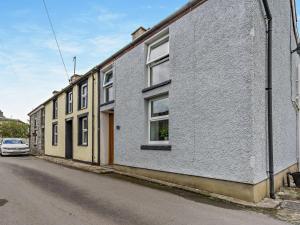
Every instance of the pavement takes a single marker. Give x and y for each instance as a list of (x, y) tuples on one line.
[(37, 192), (290, 204)]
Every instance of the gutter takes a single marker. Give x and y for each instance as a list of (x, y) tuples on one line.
[(270, 100)]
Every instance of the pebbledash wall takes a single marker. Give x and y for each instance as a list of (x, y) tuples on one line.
[(80, 153), (217, 97), (217, 102)]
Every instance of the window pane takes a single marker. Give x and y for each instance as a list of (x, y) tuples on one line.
[(108, 77), (109, 91), (83, 102), (70, 107), (84, 89), (159, 51), (159, 73), (160, 107), (85, 137), (159, 130), (85, 124)]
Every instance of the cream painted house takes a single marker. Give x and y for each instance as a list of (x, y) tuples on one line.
[(71, 121)]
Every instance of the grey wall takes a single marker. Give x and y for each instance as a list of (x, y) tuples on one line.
[(284, 74), (217, 96), (284, 86)]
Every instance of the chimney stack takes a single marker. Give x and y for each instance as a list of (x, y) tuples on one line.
[(74, 78), (138, 32)]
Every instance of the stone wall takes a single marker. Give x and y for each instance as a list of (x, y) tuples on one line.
[(36, 140)]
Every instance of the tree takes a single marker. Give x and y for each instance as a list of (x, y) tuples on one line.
[(15, 129)]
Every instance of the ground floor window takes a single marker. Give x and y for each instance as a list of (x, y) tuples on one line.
[(83, 131), (159, 120), (54, 134)]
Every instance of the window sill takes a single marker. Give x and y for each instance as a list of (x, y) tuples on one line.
[(107, 103), (156, 86), (81, 145), (80, 109), (157, 147)]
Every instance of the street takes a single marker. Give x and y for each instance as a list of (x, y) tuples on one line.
[(36, 192)]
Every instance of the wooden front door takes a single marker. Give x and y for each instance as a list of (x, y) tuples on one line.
[(111, 139)]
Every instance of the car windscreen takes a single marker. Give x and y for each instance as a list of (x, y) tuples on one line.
[(13, 142)]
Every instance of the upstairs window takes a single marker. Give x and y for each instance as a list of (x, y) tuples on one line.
[(43, 117), (108, 86), (83, 96), (158, 61), (70, 102), (159, 120), (55, 109)]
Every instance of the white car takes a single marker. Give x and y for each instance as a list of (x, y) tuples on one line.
[(13, 146)]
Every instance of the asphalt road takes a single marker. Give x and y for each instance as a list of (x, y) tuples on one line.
[(36, 192)]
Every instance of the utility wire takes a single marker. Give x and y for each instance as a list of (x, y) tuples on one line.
[(54, 34)]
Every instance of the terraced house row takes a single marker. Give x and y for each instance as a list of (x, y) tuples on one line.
[(190, 101)]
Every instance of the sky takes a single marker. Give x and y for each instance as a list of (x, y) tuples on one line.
[(30, 66)]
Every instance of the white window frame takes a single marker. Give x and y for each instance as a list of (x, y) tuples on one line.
[(84, 130), (158, 60), (157, 42), (55, 134), (107, 85), (83, 96), (70, 102), (157, 118)]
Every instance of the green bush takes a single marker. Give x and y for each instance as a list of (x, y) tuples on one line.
[(14, 129)]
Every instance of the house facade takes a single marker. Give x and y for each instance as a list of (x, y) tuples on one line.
[(37, 131), (187, 101), (71, 121)]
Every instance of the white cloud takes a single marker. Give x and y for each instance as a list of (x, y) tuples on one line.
[(66, 46), (107, 44)]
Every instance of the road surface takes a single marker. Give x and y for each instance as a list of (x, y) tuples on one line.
[(36, 192)]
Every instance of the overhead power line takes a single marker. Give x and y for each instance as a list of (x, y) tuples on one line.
[(57, 44)]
